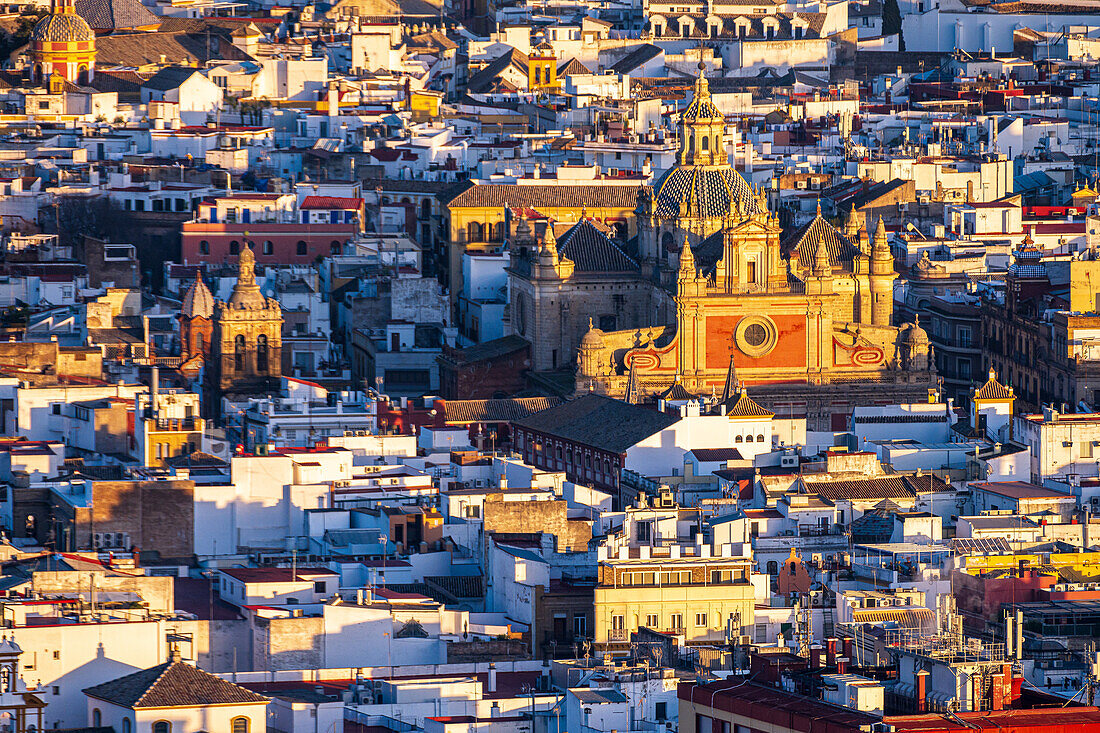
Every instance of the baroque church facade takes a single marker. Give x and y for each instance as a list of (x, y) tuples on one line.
[(714, 289)]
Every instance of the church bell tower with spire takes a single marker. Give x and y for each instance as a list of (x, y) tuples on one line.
[(247, 340)]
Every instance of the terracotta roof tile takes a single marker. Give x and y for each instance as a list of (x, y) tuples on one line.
[(801, 246), (600, 422), (500, 410), (589, 244), (172, 684), (542, 197)]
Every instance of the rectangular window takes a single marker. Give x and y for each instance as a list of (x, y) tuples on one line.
[(643, 531), (580, 625), (617, 623), (651, 620), (701, 620), (676, 621), (760, 632), (319, 587), (660, 711)]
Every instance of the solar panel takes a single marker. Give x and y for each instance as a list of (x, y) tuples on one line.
[(982, 545)]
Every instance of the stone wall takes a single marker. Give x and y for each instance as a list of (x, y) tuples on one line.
[(155, 514), (288, 643), (537, 516)]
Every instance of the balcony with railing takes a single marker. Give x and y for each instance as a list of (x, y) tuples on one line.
[(177, 424)]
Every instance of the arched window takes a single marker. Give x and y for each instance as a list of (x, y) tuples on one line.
[(773, 567), (475, 232), (335, 247), (269, 247), (240, 725), (261, 353), (748, 438), (238, 353), (666, 241), (737, 439), (706, 143), (302, 248), (204, 247), (760, 438), (234, 247), (162, 726), (200, 342), (97, 718), (127, 725)]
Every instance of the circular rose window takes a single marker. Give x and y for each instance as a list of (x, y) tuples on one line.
[(756, 335)]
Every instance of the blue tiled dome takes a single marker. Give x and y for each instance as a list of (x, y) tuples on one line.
[(62, 28), (709, 191)]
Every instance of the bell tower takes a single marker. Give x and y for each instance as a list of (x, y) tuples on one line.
[(247, 340)]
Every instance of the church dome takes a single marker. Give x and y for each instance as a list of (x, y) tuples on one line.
[(593, 338), (704, 192), (62, 28), (198, 301), (915, 335)]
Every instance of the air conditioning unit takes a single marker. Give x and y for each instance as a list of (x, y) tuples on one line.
[(341, 484), (1067, 443)]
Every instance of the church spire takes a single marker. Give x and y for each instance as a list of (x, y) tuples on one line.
[(246, 293), (729, 391), (687, 260), (632, 396)]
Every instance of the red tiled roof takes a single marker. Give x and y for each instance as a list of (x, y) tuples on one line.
[(172, 684), (274, 575), (331, 202)]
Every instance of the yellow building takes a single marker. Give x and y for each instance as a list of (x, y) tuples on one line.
[(63, 43), (424, 104), (170, 429), (671, 589), (1070, 564), (542, 69)]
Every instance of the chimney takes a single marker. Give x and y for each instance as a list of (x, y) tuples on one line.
[(830, 652), (922, 691), (849, 648), (503, 482), (154, 388), (842, 665), (492, 677)]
